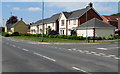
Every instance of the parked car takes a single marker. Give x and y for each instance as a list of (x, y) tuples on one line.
[(117, 33)]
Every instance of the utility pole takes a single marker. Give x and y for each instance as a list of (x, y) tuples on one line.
[(43, 21), (3, 22), (86, 28)]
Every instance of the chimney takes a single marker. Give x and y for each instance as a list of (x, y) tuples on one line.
[(21, 19), (90, 4)]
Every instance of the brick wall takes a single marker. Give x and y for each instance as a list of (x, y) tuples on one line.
[(90, 15)]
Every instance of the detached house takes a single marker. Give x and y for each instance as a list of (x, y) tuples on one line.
[(68, 21), (19, 26)]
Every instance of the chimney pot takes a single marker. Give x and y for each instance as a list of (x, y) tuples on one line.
[(90, 4), (21, 19)]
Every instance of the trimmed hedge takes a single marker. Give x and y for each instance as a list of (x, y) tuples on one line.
[(73, 37), (15, 34)]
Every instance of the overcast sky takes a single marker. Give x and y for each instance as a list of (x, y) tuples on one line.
[(31, 11)]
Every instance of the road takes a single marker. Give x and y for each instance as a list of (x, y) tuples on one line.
[(27, 56)]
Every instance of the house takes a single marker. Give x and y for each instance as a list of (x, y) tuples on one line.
[(52, 22), (70, 20), (2, 29), (113, 20), (65, 22), (19, 26), (95, 28)]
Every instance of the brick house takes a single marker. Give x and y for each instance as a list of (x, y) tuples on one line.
[(70, 20), (113, 20)]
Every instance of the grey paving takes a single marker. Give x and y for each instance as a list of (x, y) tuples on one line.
[(17, 60)]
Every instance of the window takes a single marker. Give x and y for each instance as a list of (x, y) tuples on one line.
[(60, 32), (53, 24), (69, 22), (62, 22), (74, 22), (63, 32)]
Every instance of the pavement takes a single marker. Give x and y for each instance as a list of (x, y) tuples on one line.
[(28, 56)]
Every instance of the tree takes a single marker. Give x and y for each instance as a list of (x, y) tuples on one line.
[(118, 14), (12, 20)]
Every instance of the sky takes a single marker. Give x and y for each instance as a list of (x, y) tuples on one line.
[(32, 11)]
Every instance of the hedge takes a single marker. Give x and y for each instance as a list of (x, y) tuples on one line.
[(5, 34), (73, 37)]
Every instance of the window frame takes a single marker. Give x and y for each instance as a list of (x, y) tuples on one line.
[(62, 22)]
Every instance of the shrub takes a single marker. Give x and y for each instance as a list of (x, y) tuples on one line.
[(5, 34), (109, 38), (15, 34)]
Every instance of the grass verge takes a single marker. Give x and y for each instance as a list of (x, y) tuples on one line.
[(38, 39)]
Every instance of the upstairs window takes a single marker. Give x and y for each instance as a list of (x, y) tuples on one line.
[(53, 24), (69, 22), (74, 22), (62, 22)]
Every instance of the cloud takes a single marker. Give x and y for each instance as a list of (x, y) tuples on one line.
[(100, 7), (69, 6), (8, 5), (60, 0), (34, 9), (16, 8)]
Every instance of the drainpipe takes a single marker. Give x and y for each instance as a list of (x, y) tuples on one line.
[(93, 34)]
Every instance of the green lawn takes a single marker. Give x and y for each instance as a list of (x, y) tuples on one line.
[(38, 39)]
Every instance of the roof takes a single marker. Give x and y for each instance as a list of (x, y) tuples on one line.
[(111, 18), (69, 15), (94, 23), (53, 18), (78, 13), (12, 25)]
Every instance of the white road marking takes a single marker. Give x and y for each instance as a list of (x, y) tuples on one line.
[(116, 58), (18, 47), (97, 54), (102, 54), (25, 49), (13, 45), (44, 56), (110, 56), (102, 48), (117, 47), (93, 52), (78, 69), (74, 49), (70, 49), (86, 51)]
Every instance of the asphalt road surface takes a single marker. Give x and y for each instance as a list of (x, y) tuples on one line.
[(27, 56)]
